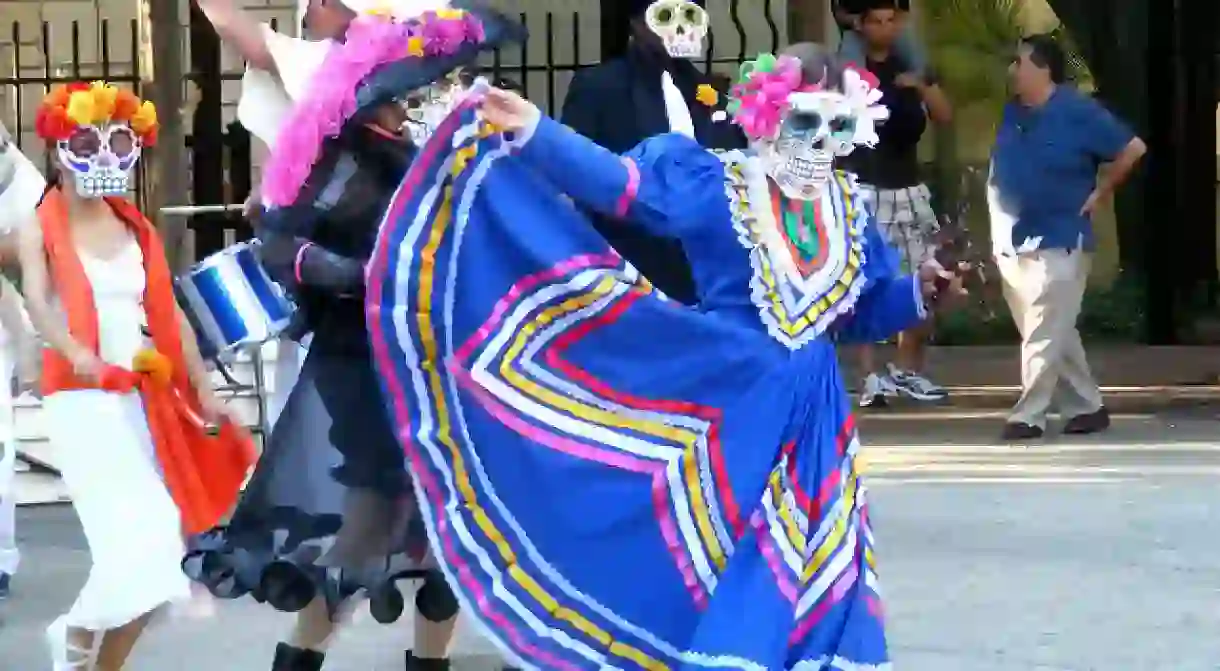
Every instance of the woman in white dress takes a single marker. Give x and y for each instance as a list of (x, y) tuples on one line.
[(125, 388)]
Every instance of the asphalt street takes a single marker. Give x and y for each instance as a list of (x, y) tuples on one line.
[(1100, 554)]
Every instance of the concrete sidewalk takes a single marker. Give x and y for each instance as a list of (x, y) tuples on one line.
[(1134, 378)]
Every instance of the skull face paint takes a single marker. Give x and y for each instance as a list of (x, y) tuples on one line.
[(818, 127), (426, 108), (682, 26), (100, 159)]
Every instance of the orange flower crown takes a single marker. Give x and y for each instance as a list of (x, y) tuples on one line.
[(68, 107)]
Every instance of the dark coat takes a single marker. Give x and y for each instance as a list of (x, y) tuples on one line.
[(317, 248), (619, 104)]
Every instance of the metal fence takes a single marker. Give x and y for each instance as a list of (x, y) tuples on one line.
[(221, 155)]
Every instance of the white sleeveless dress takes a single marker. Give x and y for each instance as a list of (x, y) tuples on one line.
[(106, 455)]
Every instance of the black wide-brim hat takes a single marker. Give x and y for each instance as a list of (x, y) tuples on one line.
[(394, 79)]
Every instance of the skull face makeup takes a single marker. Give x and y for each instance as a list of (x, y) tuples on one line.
[(681, 24), (426, 108), (817, 128), (799, 128), (99, 131), (100, 159)]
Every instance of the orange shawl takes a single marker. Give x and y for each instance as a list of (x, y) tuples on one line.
[(203, 473)]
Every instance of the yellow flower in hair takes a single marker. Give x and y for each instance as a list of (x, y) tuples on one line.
[(145, 118), (415, 47), (82, 108), (385, 12), (707, 95), (104, 98), (450, 14)]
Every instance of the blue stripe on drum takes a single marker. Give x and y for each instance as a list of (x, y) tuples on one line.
[(205, 336), (211, 344), (219, 302), (277, 308)]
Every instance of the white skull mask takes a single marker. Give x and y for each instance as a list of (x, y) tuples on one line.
[(427, 107), (681, 24), (100, 158), (818, 127)]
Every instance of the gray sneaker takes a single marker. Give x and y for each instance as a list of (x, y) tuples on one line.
[(916, 386), (875, 391)]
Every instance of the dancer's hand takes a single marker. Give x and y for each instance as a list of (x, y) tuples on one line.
[(253, 207), (509, 111), (85, 364), (216, 411), (940, 285)]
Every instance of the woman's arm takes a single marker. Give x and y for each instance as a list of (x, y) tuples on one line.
[(892, 301), (8, 247), (295, 261), (237, 27), (197, 370), (15, 324), (666, 184), (37, 287)]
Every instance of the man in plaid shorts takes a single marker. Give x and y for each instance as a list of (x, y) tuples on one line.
[(901, 203)]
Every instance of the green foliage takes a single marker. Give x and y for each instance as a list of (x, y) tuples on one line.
[(1115, 313), (976, 323), (1107, 314), (971, 43)]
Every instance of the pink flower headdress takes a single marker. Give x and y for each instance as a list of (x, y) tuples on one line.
[(371, 41), (766, 85)]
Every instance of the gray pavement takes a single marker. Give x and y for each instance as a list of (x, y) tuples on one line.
[(1074, 555)]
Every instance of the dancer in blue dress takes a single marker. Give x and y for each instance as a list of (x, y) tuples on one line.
[(613, 480)]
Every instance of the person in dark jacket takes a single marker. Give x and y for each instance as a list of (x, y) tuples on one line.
[(330, 515), (652, 89)]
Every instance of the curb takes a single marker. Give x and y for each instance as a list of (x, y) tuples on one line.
[(1149, 399)]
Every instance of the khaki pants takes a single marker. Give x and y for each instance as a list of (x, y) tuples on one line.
[(1044, 290)]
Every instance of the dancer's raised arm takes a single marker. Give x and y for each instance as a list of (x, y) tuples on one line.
[(666, 184), (240, 29)]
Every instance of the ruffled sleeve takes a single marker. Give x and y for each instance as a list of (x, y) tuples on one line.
[(667, 184)]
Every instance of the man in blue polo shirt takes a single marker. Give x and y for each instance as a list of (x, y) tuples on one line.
[(1042, 192)]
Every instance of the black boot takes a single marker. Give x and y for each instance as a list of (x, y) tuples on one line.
[(288, 658), (416, 664)]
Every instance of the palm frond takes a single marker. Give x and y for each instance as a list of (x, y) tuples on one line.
[(971, 44)]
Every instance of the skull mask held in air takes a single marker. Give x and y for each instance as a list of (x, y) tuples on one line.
[(681, 24)]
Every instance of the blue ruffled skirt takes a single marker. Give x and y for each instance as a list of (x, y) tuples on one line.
[(609, 479)]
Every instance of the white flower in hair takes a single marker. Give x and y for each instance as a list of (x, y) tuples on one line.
[(860, 90)]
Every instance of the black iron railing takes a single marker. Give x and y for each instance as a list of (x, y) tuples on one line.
[(220, 149)]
